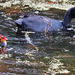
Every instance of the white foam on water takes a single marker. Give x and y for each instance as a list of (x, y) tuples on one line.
[(56, 67)]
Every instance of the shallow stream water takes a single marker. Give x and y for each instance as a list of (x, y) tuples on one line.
[(56, 54)]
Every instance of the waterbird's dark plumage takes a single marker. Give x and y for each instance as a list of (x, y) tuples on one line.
[(42, 23)]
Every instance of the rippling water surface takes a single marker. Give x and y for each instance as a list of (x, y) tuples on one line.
[(56, 54)]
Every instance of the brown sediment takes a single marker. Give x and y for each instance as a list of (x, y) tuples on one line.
[(13, 10), (3, 67)]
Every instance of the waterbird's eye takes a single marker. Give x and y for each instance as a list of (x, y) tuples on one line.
[(2, 37)]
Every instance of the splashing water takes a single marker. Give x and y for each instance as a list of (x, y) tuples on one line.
[(29, 40)]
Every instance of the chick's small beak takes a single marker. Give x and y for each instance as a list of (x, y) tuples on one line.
[(27, 32)]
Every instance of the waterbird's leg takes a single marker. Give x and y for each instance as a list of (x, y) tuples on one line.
[(3, 49)]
